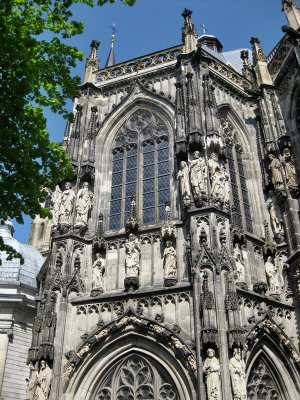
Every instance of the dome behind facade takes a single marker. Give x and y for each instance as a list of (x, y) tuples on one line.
[(13, 270)]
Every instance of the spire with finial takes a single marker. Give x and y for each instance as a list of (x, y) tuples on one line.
[(92, 62), (292, 13), (111, 56), (260, 64), (189, 33)]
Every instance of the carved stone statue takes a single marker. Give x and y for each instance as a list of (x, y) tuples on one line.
[(83, 205), (183, 177), (237, 370), (276, 173), (66, 205), (84, 350), (217, 176), (198, 175), (289, 169), (69, 372), (277, 226), (43, 382), (211, 370), (226, 190), (132, 256), (98, 271), (55, 202), (31, 383), (239, 263), (170, 267), (272, 274)]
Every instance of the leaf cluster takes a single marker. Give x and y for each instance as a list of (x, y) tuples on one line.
[(35, 72)]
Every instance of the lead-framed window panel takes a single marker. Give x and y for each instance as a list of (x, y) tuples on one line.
[(239, 192)]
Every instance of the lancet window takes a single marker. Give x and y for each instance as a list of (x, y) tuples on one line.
[(137, 378), (140, 169), (261, 384), (239, 193)]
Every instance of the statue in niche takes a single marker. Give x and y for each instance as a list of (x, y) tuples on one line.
[(277, 226), (43, 382), (217, 176), (55, 203), (211, 370), (132, 256), (226, 190), (169, 257), (198, 175), (276, 173), (98, 272), (272, 274), (237, 370), (69, 372), (31, 382), (183, 177), (66, 206), (239, 263), (289, 169), (83, 205)]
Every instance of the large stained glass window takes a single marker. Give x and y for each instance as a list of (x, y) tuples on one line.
[(140, 169)]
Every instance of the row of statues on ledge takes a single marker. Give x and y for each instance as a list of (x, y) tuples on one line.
[(237, 369), (132, 262), (283, 171), (65, 201), (272, 271), (193, 179)]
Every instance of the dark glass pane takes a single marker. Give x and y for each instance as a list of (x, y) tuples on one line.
[(130, 189), (127, 206), (148, 215), (163, 144), (148, 185), (161, 212), (115, 207), (163, 196), (116, 192), (114, 222), (132, 151), (163, 168), (131, 162), (163, 182), (148, 147), (163, 154), (131, 175), (148, 200), (117, 179), (118, 155), (117, 165), (149, 172), (148, 158)]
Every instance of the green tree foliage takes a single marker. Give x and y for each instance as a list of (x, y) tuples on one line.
[(35, 72)]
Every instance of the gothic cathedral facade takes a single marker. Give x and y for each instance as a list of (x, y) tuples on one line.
[(173, 261)]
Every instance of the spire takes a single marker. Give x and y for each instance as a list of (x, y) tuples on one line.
[(189, 33), (260, 64), (92, 62), (111, 56), (292, 13)]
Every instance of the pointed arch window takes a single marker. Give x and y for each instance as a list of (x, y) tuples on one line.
[(239, 192), (262, 384), (141, 169), (137, 378)]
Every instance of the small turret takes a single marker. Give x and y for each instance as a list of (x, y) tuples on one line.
[(260, 64), (189, 33), (92, 62), (292, 13)]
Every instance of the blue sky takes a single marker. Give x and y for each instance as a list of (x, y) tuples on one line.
[(152, 25)]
